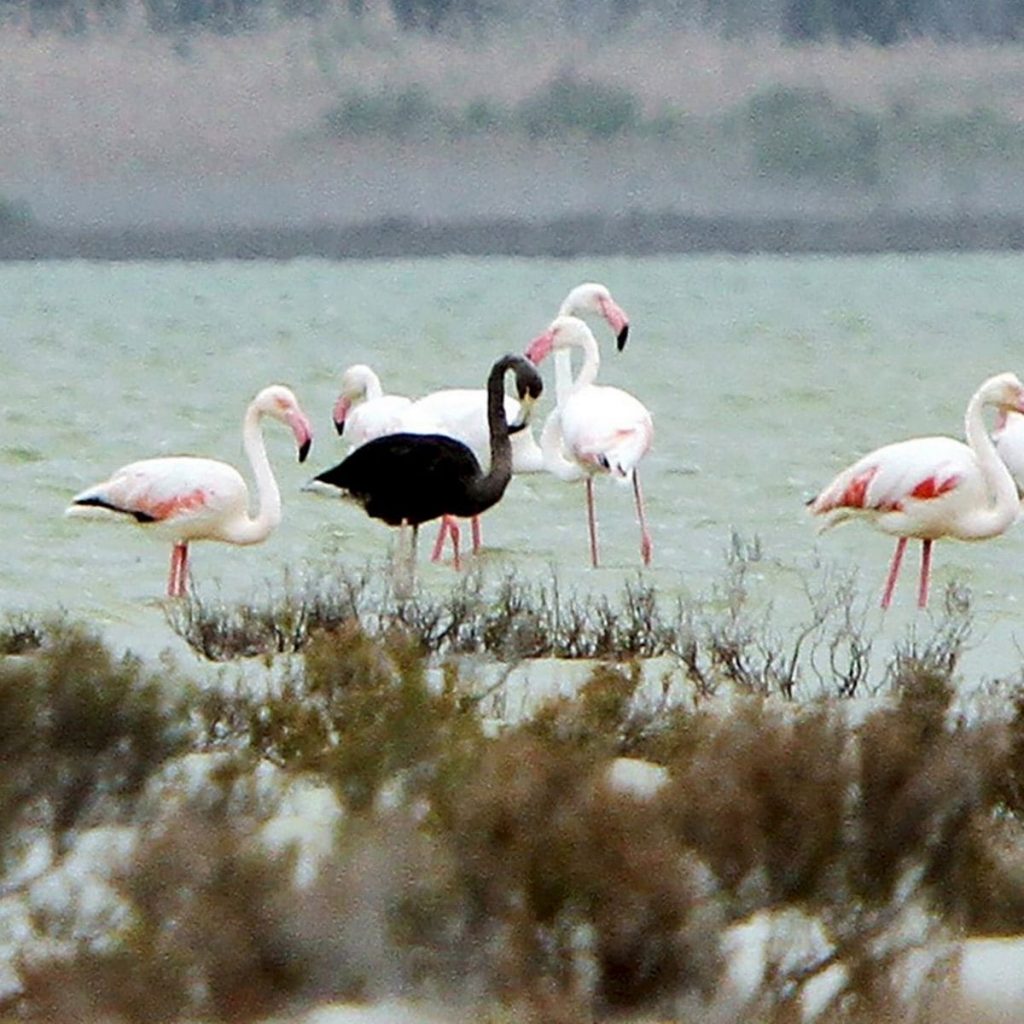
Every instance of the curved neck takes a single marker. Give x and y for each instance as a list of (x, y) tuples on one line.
[(587, 373), (555, 461), (248, 529), (1004, 504), (486, 489), (372, 388)]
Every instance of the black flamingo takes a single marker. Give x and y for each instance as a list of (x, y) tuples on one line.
[(407, 479)]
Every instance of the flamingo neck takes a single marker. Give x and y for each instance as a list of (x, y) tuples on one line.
[(563, 374), (254, 529), (588, 370), (372, 388), (553, 453), (994, 518), (487, 488)]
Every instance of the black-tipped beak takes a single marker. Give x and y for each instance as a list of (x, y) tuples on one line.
[(304, 449), (339, 426), (622, 336)]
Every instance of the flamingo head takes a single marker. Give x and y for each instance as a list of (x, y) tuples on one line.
[(341, 410), (1005, 392), (540, 348), (529, 387), (563, 332), (358, 383), (281, 403), (595, 298)]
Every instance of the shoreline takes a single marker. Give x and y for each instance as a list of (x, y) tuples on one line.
[(634, 234)]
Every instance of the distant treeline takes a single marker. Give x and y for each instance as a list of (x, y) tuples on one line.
[(884, 22)]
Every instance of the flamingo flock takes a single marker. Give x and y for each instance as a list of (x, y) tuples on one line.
[(450, 455)]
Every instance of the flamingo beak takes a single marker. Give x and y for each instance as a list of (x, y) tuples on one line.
[(540, 348), (617, 321), (525, 411), (341, 408), (302, 430)]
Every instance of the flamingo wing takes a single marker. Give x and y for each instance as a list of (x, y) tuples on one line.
[(460, 413), (190, 495), (909, 480), (605, 428)]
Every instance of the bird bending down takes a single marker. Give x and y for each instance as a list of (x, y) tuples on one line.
[(407, 478), (928, 488), (594, 428), (362, 411), (182, 498)]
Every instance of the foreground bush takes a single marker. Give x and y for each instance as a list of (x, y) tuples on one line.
[(497, 866)]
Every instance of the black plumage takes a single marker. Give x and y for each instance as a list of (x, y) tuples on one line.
[(413, 478)]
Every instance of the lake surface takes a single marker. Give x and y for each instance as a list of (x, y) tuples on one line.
[(765, 376)]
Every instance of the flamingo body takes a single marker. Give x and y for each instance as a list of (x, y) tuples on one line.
[(928, 488), (606, 430), (407, 478), (183, 498)]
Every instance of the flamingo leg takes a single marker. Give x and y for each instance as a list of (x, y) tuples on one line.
[(894, 571), (926, 571), (442, 533), (592, 521), (179, 571), (646, 544), (455, 531), (477, 535)]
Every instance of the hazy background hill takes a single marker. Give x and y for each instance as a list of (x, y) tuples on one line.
[(200, 114)]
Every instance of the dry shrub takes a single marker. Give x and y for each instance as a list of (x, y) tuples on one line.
[(761, 794), (80, 733), (576, 898), (208, 935)]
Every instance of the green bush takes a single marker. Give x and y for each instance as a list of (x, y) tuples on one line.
[(396, 114), (13, 214), (803, 133), (578, 106)]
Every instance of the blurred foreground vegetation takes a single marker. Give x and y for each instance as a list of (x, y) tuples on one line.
[(364, 818)]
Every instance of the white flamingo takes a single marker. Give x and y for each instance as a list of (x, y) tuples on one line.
[(595, 428), (182, 498), (362, 411), (931, 487)]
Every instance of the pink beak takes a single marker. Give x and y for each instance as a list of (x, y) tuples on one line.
[(341, 408), (303, 432), (540, 348), (617, 320)]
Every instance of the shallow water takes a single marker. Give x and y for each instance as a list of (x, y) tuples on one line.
[(765, 376)]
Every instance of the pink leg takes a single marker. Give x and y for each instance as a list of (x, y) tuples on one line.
[(646, 544), (926, 571), (179, 571), (592, 521), (477, 535), (435, 555), (894, 571)]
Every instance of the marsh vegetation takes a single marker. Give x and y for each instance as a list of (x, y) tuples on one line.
[(357, 822)]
